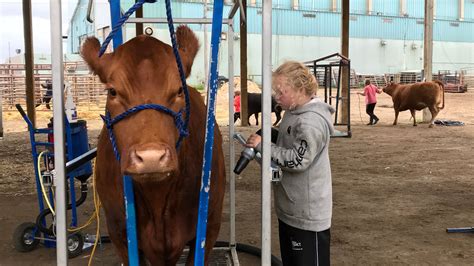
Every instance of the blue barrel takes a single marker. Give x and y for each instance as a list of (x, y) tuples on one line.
[(78, 146)]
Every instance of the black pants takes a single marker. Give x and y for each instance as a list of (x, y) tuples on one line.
[(236, 116), (369, 109), (301, 247)]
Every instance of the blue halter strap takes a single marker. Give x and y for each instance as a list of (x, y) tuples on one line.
[(177, 117)]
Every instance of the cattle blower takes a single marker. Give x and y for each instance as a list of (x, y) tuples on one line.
[(249, 154)]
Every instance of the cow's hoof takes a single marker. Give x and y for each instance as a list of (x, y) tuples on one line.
[(415, 125), (431, 126)]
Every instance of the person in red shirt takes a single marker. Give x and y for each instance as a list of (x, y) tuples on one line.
[(236, 105), (370, 93)]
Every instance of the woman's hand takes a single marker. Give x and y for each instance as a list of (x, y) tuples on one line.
[(253, 141)]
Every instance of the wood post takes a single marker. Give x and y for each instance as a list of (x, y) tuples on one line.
[(138, 26), (29, 62), (428, 49), (345, 77), (243, 68)]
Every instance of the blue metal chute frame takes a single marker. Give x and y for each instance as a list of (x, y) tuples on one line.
[(129, 198), (209, 140), (85, 170)]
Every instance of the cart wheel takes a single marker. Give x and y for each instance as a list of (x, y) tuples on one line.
[(25, 237), (75, 243)]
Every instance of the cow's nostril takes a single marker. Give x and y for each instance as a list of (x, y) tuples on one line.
[(135, 157)]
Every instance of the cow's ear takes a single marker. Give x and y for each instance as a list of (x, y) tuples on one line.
[(90, 54), (188, 47)]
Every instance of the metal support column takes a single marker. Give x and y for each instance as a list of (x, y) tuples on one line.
[(230, 46), (266, 128), (58, 129)]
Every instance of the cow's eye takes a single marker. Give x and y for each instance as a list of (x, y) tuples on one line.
[(112, 92)]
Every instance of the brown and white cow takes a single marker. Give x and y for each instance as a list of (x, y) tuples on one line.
[(417, 96), (166, 180)]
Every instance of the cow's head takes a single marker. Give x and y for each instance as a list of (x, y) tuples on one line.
[(144, 71), (390, 87)]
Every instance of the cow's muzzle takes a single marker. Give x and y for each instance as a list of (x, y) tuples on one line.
[(150, 159)]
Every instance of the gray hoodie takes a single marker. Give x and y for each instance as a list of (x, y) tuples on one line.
[(303, 198)]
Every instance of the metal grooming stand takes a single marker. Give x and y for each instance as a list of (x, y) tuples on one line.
[(328, 64), (221, 254)]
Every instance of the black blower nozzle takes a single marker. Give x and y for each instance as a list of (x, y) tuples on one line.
[(248, 154)]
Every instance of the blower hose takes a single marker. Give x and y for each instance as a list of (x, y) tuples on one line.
[(47, 211)]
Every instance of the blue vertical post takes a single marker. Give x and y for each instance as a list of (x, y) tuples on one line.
[(131, 221), (127, 180), (115, 16), (210, 122)]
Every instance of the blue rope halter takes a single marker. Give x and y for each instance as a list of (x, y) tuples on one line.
[(177, 116), (181, 125)]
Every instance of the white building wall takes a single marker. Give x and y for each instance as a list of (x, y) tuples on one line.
[(368, 56)]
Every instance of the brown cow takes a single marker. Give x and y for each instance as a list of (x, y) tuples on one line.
[(166, 180), (416, 97)]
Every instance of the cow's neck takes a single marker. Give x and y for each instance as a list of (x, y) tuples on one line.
[(152, 196)]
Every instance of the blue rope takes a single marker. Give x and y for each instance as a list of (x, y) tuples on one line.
[(109, 126), (177, 117), (178, 62)]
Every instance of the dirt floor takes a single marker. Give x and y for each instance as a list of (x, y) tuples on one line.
[(396, 190)]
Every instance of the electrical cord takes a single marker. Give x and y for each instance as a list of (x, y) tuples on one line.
[(51, 209), (97, 213), (45, 195)]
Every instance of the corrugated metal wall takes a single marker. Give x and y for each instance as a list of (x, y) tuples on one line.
[(358, 6), (415, 8), (79, 27), (304, 22), (386, 8), (447, 9), (315, 5), (469, 10)]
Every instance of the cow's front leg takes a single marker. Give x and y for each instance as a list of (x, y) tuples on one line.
[(192, 247), (396, 117), (120, 243), (412, 111)]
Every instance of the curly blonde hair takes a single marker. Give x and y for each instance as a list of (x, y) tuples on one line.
[(298, 77)]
